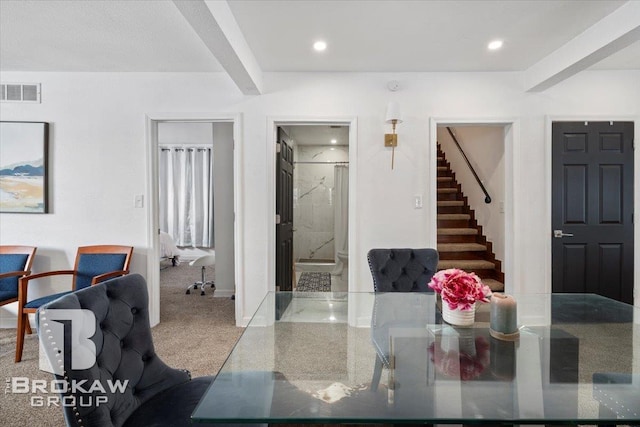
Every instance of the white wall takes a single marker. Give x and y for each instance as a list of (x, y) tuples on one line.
[(192, 133), (97, 160), (223, 208), (98, 147), (484, 147), (314, 201)]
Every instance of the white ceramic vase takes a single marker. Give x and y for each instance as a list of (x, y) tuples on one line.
[(458, 317)]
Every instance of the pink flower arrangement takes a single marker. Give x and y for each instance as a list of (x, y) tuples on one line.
[(459, 289)]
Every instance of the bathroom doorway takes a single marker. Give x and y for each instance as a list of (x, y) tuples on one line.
[(319, 258)]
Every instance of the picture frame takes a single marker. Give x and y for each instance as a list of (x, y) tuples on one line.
[(24, 168)]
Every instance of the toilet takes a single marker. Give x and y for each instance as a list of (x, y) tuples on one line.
[(342, 267)]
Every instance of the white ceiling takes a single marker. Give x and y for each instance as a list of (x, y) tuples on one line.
[(99, 36), (318, 134), (411, 35), (153, 35)]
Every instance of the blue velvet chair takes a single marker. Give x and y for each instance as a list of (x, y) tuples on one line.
[(94, 264), (15, 262)]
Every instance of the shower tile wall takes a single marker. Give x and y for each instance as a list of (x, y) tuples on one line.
[(313, 193)]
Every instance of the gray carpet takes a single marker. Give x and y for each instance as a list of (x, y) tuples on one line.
[(195, 333), (314, 282)]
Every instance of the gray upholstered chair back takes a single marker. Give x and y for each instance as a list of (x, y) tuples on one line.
[(402, 270), (124, 350), (397, 270)]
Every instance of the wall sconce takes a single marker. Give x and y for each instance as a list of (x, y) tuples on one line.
[(394, 117)]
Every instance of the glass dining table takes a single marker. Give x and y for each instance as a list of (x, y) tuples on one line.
[(389, 358)]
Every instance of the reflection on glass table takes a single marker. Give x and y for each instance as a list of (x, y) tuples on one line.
[(316, 357)]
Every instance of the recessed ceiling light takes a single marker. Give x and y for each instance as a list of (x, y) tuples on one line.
[(334, 141), (495, 45), (320, 45)]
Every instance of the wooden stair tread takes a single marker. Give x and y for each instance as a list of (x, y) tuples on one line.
[(461, 247), (454, 216), (458, 231), (457, 239), (494, 285), (450, 203), (466, 264)]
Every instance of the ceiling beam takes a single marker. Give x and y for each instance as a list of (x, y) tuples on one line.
[(606, 37), (215, 24)]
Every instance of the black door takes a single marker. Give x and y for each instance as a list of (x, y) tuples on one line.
[(284, 213), (592, 208)]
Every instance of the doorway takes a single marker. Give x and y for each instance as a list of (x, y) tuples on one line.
[(223, 228), (592, 208), (186, 191), (470, 200), (508, 145), (312, 207)]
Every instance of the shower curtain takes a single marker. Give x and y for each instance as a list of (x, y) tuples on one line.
[(341, 212), (186, 194)]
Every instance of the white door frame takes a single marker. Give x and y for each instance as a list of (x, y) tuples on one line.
[(272, 135), (153, 253), (513, 284), (636, 191)]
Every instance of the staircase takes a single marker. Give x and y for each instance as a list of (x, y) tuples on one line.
[(461, 243)]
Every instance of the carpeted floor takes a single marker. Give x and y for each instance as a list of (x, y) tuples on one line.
[(314, 282), (195, 333)]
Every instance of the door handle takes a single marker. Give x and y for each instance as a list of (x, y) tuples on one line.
[(560, 233)]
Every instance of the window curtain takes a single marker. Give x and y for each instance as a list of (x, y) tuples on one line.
[(186, 195)]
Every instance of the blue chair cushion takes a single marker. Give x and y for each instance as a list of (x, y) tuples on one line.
[(37, 303), (91, 265), (5, 295), (8, 263)]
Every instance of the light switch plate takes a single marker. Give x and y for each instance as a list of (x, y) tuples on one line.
[(418, 202)]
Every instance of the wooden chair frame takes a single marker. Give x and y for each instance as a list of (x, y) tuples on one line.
[(23, 313), (30, 251)]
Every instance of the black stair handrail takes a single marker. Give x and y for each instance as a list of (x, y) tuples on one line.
[(487, 198)]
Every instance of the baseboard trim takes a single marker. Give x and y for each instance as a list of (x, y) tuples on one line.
[(8, 323), (222, 293), (11, 322)]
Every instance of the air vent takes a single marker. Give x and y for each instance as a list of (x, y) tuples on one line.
[(20, 92)]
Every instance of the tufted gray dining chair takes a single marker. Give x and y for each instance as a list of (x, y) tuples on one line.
[(396, 270), (402, 270), (156, 394)]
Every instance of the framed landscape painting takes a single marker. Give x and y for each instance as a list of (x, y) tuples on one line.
[(23, 167)]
